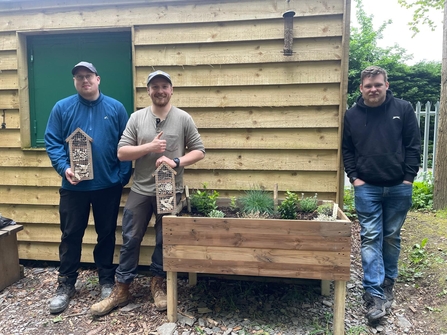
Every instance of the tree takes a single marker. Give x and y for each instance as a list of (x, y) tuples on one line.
[(402, 77), (420, 16), (440, 189)]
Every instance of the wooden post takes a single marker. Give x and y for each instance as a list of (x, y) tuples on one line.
[(325, 288), (339, 307), (171, 288), (192, 279)]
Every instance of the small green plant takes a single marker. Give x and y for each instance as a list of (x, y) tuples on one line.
[(325, 209), (349, 203), (423, 193), (215, 213), (308, 204), (416, 263), (257, 200), (233, 204), (204, 201), (287, 209)]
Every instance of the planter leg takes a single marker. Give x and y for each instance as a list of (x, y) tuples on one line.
[(192, 279), (325, 288), (171, 288), (339, 307)]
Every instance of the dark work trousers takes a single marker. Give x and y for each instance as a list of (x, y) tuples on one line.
[(137, 214), (74, 211)]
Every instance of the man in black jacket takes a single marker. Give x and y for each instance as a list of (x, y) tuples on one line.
[(381, 155)]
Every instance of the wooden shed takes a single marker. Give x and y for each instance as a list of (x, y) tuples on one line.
[(265, 116)]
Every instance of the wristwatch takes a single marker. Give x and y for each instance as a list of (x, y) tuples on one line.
[(352, 179), (177, 162)]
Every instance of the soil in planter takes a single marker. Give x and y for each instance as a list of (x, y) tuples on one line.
[(231, 213)]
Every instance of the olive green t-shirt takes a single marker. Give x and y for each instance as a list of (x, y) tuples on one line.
[(179, 131)]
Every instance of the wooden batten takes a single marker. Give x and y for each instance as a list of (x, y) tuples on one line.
[(265, 118)]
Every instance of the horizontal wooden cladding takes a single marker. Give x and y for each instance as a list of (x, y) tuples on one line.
[(248, 74), (211, 32), (29, 176), (12, 119), (8, 80), (45, 15), (50, 252), (52, 233), (257, 96), (232, 267), (307, 181), (8, 60), (45, 214), (308, 49), (9, 99), (323, 138), (8, 41), (226, 159), (13, 157), (265, 117), (284, 160), (9, 138), (36, 195)]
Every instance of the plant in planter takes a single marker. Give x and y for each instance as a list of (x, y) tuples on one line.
[(204, 201), (257, 203)]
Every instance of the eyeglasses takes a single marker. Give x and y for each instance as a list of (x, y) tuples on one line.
[(79, 77)]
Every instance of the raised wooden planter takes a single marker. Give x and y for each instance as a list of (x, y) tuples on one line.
[(258, 247)]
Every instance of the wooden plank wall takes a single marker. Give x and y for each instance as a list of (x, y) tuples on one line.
[(265, 118)]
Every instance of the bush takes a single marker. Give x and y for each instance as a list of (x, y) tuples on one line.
[(204, 201), (287, 209), (257, 200), (309, 204), (423, 193)]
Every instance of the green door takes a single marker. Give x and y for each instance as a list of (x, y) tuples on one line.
[(51, 58)]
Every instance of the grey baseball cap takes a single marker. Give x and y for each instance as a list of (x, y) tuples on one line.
[(87, 65), (158, 73)]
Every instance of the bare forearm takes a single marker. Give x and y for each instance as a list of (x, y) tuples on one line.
[(191, 157)]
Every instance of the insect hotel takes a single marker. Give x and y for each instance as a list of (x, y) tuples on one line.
[(165, 188), (80, 149)]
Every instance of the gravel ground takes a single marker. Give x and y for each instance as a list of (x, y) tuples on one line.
[(215, 306)]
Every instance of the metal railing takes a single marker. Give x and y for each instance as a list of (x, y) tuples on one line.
[(430, 127)]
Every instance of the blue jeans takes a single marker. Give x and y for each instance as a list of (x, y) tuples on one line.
[(136, 216), (381, 212)]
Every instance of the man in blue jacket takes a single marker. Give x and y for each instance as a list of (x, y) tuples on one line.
[(381, 154), (104, 120)]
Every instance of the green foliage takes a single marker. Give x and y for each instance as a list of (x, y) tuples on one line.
[(288, 207), (349, 203), (325, 209), (308, 204), (215, 213), (204, 201), (423, 194), (365, 52), (416, 263), (233, 204), (257, 200), (421, 15)]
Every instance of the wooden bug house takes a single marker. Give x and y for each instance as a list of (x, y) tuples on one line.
[(165, 188), (80, 148)]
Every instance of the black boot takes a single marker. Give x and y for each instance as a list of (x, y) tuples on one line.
[(64, 292)]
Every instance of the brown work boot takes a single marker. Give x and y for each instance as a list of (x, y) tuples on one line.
[(119, 297), (158, 290)]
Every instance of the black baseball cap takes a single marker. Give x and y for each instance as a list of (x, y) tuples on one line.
[(87, 65)]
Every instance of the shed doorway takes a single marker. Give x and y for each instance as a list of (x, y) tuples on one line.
[(51, 58)]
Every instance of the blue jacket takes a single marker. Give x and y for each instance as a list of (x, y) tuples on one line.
[(104, 120)]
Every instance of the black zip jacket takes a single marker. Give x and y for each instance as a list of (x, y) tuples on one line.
[(382, 145)]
